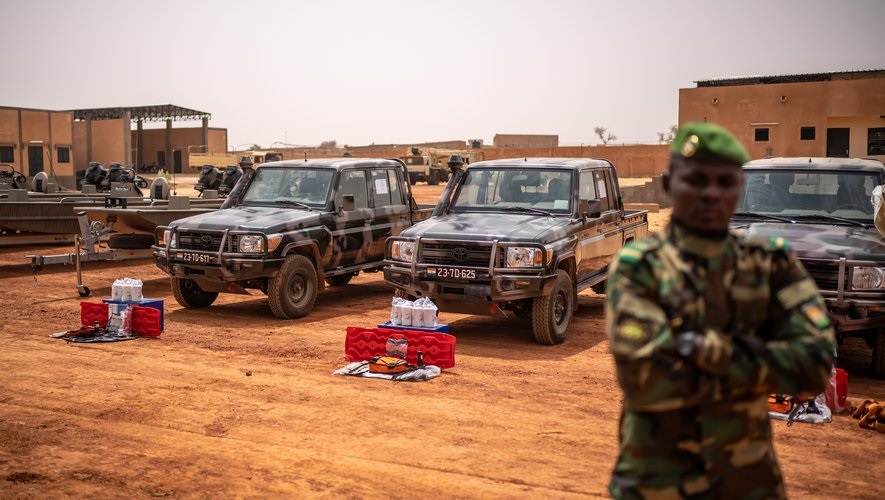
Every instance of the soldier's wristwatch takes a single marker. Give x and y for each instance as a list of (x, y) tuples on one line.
[(687, 343)]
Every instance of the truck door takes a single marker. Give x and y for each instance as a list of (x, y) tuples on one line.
[(390, 210), (352, 230), (600, 237)]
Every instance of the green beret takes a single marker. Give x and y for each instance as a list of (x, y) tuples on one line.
[(706, 141)]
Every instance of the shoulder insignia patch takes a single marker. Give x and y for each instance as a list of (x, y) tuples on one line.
[(815, 314), (631, 330)]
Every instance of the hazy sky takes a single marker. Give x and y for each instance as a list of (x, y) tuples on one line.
[(385, 71)]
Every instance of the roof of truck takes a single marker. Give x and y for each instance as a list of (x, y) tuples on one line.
[(821, 163), (333, 163), (544, 162)]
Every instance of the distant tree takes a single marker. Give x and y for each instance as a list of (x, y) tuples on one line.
[(255, 146), (329, 144), (604, 135)]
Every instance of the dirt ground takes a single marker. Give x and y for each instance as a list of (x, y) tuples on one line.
[(232, 402)]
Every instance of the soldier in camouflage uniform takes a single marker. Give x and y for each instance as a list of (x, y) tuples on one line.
[(703, 325)]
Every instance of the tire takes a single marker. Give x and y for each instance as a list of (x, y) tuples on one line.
[(878, 364), (434, 178), (552, 314), (292, 292), (339, 280), (599, 288), (130, 241), (189, 294)]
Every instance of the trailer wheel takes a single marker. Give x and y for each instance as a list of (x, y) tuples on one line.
[(878, 364), (434, 178), (189, 294), (130, 241), (293, 291), (551, 314), (339, 280)]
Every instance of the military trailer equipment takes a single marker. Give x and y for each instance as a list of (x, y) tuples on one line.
[(290, 227), (422, 169), (517, 237), (822, 207)]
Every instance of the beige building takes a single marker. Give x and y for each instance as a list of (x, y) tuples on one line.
[(826, 114), (62, 143), (37, 140)]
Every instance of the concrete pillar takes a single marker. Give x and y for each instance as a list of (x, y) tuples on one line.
[(88, 140), (204, 137), (127, 138), (139, 142), (170, 161)]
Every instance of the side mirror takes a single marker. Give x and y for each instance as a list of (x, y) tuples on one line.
[(347, 203), (589, 208)]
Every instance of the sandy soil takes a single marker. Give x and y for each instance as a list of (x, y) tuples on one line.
[(230, 401)]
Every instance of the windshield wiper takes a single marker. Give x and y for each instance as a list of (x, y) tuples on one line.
[(764, 216), (293, 202), (834, 218), (530, 210)]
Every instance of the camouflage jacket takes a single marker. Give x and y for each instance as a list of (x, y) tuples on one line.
[(699, 425)]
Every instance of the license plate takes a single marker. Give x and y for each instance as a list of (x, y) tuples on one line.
[(457, 273), (197, 258)]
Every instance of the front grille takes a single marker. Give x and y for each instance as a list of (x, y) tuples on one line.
[(206, 241), (458, 254), (825, 274)]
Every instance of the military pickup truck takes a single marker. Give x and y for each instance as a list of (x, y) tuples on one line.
[(517, 237), (822, 207), (291, 226)]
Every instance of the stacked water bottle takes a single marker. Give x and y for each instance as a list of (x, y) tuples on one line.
[(127, 290), (421, 312)]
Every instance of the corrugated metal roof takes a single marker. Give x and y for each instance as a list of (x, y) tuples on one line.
[(156, 113), (797, 78)]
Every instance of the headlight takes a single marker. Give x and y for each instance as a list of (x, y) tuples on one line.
[(403, 250), (523, 257), (867, 277), (251, 243)]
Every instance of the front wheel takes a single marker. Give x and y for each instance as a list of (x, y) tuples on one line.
[(293, 291), (551, 314), (189, 294)]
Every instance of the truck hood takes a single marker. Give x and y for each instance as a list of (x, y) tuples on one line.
[(259, 219), (491, 226), (822, 241)]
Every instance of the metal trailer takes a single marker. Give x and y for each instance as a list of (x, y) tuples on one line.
[(87, 248)]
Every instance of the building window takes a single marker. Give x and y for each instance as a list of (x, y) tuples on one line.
[(64, 155), (761, 135), (7, 154), (876, 141), (806, 134)]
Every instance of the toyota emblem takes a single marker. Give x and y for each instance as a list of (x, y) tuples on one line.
[(206, 240), (459, 254)]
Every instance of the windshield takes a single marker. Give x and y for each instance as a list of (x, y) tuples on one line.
[(494, 189), (813, 194), (309, 186)]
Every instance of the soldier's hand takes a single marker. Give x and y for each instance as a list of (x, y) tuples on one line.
[(710, 350)]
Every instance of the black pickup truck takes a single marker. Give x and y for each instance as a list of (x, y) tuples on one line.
[(291, 226), (823, 208), (517, 237)]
